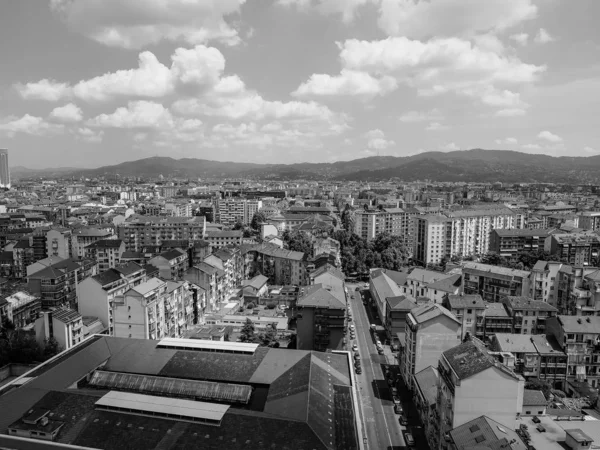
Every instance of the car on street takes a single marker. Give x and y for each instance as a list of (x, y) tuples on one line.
[(408, 438), (357, 288), (403, 420), (357, 356), (396, 400), (351, 327), (394, 391), (380, 350), (355, 347), (536, 419), (398, 409), (358, 370)]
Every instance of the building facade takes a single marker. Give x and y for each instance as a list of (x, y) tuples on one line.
[(141, 231)]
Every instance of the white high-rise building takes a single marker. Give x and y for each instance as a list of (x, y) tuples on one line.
[(4, 170)]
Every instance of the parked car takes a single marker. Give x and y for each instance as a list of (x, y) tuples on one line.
[(355, 347), (396, 400), (398, 409), (358, 370), (408, 438), (394, 391), (380, 350), (357, 355), (536, 419), (523, 426), (541, 428), (351, 326), (403, 420)]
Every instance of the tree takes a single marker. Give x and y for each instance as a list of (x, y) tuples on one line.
[(494, 259), (269, 337), (293, 344), (539, 385), (297, 242), (238, 226), (248, 332), (51, 347), (257, 219)]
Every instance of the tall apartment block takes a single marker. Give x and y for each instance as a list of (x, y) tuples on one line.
[(229, 211), (141, 231), (4, 170), (458, 233), (396, 221)]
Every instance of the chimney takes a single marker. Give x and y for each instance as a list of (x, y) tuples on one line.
[(587, 319), (579, 321)]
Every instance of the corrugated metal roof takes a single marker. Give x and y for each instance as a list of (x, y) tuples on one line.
[(200, 344)]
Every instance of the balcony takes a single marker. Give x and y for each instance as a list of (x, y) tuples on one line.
[(581, 293)]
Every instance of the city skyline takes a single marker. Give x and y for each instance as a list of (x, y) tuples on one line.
[(288, 81)]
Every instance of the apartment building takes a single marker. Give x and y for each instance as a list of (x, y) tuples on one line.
[(544, 281), (97, 293), (67, 327), (321, 319), (21, 308), (397, 221), (553, 360), (175, 209), (396, 311), (469, 310), (211, 280), (57, 283), (470, 380), (524, 358), (425, 400), (495, 320), (579, 338), (576, 249), (224, 238), (83, 237), (23, 256), (419, 280), (231, 262), (493, 282), (430, 330), (458, 233), (141, 231), (529, 316), (171, 264), (154, 309), (58, 242), (230, 211), (283, 267), (383, 287), (589, 220), (509, 243), (578, 291), (107, 252)]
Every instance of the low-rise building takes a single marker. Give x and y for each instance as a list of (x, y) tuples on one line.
[(21, 308), (553, 360), (492, 282), (529, 316), (107, 252), (526, 356), (224, 238), (171, 264), (282, 267), (495, 320), (395, 316), (470, 312), (576, 249), (509, 243), (484, 433)]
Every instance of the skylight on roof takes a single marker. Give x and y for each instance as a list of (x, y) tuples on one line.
[(480, 438), (474, 428), (501, 429)]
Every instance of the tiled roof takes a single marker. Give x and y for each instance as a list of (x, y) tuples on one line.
[(426, 276), (206, 268), (579, 324), (328, 268), (462, 301), (172, 254), (384, 286), (257, 282), (426, 381), (527, 303), (547, 345), (495, 311), (274, 251), (430, 311), (401, 303), (485, 433), (129, 268), (318, 297), (471, 358), (107, 277), (495, 269), (515, 343), (448, 284), (66, 315), (224, 234), (515, 232), (148, 286), (106, 243), (56, 270), (532, 397)]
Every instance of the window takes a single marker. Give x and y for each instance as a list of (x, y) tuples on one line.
[(527, 412), (469, 311)]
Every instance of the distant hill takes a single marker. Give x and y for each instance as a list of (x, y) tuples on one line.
[(468, 165)]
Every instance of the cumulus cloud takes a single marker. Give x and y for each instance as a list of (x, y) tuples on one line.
[(348, 83), (421, 116), (590, 150), (376, 140), (531, 147), (520, 38), (450, 147), (550, 137), (137, 24), (48, 90), (28, 124), (507, 141), (88, 135), (424, 19), (543, 37), (345, 8), (68, 113), (436, 126)]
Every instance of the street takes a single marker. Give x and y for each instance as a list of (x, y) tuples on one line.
[(383, 429)]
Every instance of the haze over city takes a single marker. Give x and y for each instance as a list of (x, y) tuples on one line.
[(93, 83)]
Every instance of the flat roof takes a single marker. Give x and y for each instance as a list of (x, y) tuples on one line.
[(199, 344), (163, 405)]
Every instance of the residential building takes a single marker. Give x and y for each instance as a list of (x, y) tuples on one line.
[(211, 280), (469, 310), (484, 433), (576, 249), (176, 209), (509, 243), (40, 245), (449, 285), (171, 264), (257, 286), (529, 316), (553, 360), (495, 320), (578, 291), (140, 231), (425, 400), (418, 281), (230, 261), (381, 287), (589, 220), (369, 223), (219, 239), (526, 358), (283, 267), (230, 211), (83, 237), (493, 282), (107, 252), (64, 324), (430, 330), (21, 308), (321, 320), (396, 310), (544, 281), (534, 403), (57, 284), (4, 169), (203, 391), (458, 233), (22, 257), (470, 381), (59, 242), (97, 293), (579, 338)]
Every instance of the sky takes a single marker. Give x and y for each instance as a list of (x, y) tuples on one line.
[(87, 83)]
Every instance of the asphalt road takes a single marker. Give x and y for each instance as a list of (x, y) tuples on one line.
[(383, 430)]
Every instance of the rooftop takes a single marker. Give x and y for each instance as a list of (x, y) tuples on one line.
[(427, 383), (547, 345), (517, 232), (448, 284), (496, 311), (66, 315), (518, 303), (426, 276), (494, 270), (318, 297), (462, 301), (149, 286), (430, 311), (515, 343), (471, 358), (579, 324), (485, 433), (106, 243), (401, 303), (384, 286), (532, 397), (273, 251)]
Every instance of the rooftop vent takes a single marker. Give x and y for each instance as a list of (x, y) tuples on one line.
[(578, 320), (587, 319)]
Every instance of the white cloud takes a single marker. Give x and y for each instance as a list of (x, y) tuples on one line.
[(442, 66), (590, 150), (424, 19), (436, 126), (450, 147), (531, 147), (345, 8), (137, 24), (511, 112), (48, 90), (507, 141), (376, 140), (349, 83), (90, 136), (520, 38), (547, 136), (28, 124), (421, 116), (543, 37), (68, 113)]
